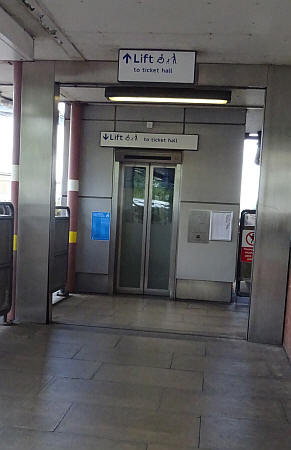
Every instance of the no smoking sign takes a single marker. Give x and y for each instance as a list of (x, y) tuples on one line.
[(247, 246)]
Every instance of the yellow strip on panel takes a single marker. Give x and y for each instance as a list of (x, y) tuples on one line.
[(73, 237), (15, 242)]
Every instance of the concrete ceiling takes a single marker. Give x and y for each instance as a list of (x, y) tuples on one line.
[(230, 31)]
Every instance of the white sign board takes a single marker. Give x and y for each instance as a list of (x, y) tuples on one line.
[(149, 140), (220, 225), (156, 66), (248, 238)]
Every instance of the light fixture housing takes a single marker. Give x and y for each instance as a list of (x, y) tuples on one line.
[(187, 96)]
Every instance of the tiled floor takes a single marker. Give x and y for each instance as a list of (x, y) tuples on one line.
[(68, 387), (141, 313)]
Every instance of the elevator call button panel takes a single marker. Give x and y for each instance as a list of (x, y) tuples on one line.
[(198, 226)]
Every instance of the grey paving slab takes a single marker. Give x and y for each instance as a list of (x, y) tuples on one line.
[(154, 314), (61, 367), (160, 344), (126, 356), (280, 369), (219, 405), (22, 384), (246, 386), (244, 434), (14, 439), (243, 350), (221, 365), (166, 447), (41, 348), (78, 335), (132, 424), (32, 413), (287, 409), (103, 393), (148, 376)]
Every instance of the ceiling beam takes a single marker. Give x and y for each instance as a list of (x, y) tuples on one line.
[(15, 42), (48, 23)]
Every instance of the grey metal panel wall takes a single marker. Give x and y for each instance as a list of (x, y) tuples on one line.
[(37, 192), (214, 261), (239, 75), (210, 175), (92, 256), (92, 283), (270, 268), (150, 113), (98, 112), (158, 127), (213, 174), (218, 115), (96, 162), (66, 154)]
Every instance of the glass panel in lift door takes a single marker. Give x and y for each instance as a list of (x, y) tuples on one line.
[(160, 238), (132, 225)]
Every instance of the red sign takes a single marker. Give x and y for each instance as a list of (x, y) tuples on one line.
[(247, 246), (247, 254)]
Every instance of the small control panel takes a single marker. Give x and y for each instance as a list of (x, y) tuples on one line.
[(198, 226)]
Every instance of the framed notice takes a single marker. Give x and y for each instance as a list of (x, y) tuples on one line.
[(100, 229), (221, 226)]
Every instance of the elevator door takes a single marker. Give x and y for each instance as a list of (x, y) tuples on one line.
[(146, 238)]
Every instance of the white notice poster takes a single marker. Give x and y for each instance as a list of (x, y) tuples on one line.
[(220, 225)]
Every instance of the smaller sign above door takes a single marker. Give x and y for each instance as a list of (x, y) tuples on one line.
[(149, 140), (157, 66)]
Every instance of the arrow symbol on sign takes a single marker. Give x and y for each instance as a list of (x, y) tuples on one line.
[(105, 137), (127, 57)]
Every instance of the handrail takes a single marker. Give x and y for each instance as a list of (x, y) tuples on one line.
[(8, 210), (63, 208)]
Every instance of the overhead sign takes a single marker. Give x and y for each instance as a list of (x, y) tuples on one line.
[(149, 140), (157, 66), (247, 246)]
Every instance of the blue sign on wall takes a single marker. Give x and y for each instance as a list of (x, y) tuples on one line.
[(100, 230)]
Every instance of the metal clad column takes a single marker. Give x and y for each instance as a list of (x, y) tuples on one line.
[(270, 267), (17, 87), (73, 190), (36, 211)]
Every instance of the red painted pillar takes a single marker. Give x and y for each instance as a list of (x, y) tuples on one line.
[(17, 87), (73, 190)]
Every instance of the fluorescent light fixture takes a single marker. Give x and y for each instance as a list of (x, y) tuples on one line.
[(167, 95)]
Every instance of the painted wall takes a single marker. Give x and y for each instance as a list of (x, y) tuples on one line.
[(211, 179)]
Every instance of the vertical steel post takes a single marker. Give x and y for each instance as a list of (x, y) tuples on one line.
[(73, 190), (17, 87)]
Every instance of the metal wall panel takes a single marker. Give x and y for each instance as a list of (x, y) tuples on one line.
[(213, 174), (270, 267), (148, 113), (218, 115), (158, 127), (233, 75), (92, 283), (92, 256), (104, 72), (96, 162), (98, 112), (213, 261), (66, 154), (203, 290), (37, 190)]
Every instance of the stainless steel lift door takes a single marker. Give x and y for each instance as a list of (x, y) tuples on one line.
[(147, 222)]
